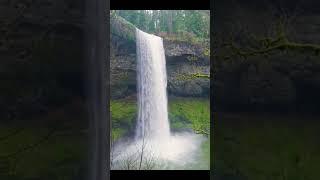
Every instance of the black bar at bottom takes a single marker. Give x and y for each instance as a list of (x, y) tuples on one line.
[(160, 174)]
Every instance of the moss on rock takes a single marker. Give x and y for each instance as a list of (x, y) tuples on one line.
[(122, 28)]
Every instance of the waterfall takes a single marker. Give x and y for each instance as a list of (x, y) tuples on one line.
[(152, 119), (153, 141)]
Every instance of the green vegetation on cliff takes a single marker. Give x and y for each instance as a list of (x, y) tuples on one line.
[(196, 22), (123, 115), (173, 25), (122, 28), (192, 110), (184, 113)]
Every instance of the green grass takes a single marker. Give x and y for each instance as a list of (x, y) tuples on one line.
[(204, 157), (184, 37), (117, 133), (123, 113), (38, 152), (63, 155), (184, 113), (261, 147), (193, 110), (60, 157)]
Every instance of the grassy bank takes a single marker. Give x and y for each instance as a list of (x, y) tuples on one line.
[(184, 113), (261, 146), (28, 152), (51, 146), (190, 112)]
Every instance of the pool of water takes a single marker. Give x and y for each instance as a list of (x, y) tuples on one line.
[(201, 160), (183, 151)]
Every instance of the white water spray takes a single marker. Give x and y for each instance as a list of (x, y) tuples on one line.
[(152, 119), (152, 135)]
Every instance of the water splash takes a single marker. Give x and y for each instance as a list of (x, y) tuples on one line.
[(153, 140), (152, 119)]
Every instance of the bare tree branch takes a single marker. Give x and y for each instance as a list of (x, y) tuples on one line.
[(31, 146), (15, 132)]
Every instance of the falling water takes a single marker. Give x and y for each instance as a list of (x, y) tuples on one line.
[(153, 140), (152, 119)]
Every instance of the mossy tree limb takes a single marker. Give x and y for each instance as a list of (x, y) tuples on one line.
[(202, 131), (192, 76), (201, 75), (266, 46)]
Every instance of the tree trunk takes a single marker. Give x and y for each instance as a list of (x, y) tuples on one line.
[(169, 21)]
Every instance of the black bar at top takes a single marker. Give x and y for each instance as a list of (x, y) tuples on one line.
[(159, 4)]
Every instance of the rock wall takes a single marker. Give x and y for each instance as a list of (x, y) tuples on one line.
[(182, 59)]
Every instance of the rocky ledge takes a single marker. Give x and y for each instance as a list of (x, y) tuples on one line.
[(182, 59)]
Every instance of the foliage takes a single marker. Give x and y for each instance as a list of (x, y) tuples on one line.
[(192, 58), (121, 27), (207, 51), (123, 115), (55, 143), (267, 147), (182, 36), (263, 46), (178, 22), (201, 75), (122, 112), (184, 113), (197, 111), (60, 157)]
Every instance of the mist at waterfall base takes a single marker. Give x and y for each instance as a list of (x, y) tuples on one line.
[(154, 145)]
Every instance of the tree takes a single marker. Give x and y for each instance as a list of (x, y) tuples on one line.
[(170, 21), (141, 159)]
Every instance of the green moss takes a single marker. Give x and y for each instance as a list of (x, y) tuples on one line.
[(192, 76), (206, 52), (199, 75), (184, 113), (123, 116), (267, 147), (192, 58), (122, 111), (117, 133), (183, 36), (122, 28), (195, 111), (205, 151), (268, 46), (60, 157), (178, 123)]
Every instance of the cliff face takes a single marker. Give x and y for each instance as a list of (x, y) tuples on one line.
[(182, 59)]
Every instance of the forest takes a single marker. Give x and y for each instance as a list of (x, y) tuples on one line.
[(194, 22)]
